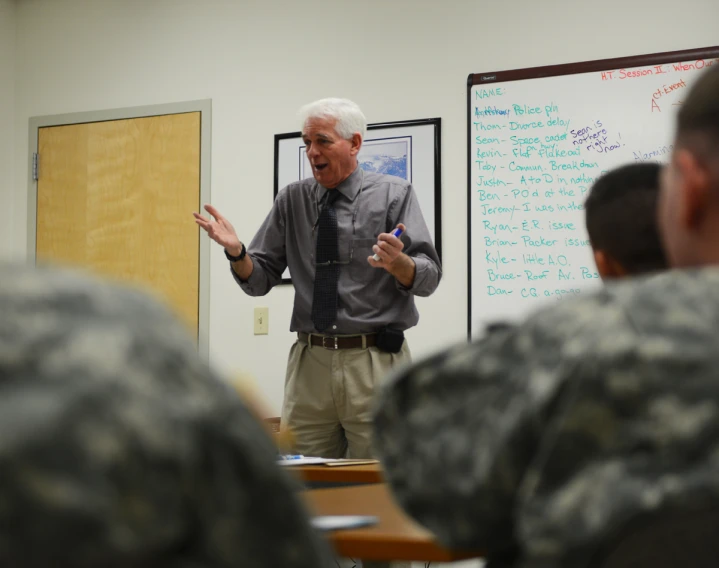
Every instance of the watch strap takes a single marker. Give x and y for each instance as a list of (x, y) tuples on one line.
[(238, 258)]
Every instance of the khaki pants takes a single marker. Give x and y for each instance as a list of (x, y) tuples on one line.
[(329, 395)]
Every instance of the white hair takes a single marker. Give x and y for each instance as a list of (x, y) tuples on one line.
[(348, 115)]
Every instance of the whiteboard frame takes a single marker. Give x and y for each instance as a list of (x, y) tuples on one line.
[(494, 77)]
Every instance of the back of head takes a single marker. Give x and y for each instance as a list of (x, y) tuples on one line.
[(348, 115), (698, 119), (689, 204), (621, 213)]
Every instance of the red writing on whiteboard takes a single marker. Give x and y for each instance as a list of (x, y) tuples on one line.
[(666, 89), (657, 69)]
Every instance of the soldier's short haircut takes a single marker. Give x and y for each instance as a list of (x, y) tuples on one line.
[(699, 115), (621, 217)]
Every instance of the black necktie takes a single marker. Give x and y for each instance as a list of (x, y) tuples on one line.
[(324, 299)]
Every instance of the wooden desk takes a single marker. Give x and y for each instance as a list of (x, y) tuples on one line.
[(396, 537), (371, 473)]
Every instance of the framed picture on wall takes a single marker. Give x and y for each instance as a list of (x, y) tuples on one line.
[(409, 149)]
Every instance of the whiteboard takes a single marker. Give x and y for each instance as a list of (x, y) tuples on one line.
[(537, 140)]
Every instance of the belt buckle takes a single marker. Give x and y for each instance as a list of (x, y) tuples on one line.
[(331, 346)]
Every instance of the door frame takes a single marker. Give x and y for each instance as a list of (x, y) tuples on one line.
[(204, 107)]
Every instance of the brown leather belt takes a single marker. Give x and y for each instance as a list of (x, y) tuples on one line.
[(331, 342)]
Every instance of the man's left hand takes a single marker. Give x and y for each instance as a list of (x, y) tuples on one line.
[(388, 249), (392, 259)]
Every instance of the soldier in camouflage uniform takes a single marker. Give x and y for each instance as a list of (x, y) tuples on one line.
[(119, 446), (538, 441)]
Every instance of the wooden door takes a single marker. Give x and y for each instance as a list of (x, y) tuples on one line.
[(117, 197)]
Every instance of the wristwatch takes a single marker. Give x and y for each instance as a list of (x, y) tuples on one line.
[(242, 254)]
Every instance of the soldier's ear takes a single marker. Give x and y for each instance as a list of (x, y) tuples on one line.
[(607, 266), (694, 188)]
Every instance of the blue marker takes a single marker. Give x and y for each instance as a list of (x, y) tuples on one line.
[(298, 457), (397, 232)]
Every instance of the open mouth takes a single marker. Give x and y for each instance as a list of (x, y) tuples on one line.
[(320, 167)]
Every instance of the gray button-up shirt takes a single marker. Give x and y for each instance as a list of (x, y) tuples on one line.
[(369, 298)]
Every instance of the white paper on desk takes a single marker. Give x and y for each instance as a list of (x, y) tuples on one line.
[(341, 522), (304, 461)]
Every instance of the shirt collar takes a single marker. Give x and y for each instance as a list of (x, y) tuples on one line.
[(349, 187)]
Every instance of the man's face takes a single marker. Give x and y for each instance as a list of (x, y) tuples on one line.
[(332, 157)]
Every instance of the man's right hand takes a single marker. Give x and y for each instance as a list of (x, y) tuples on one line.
[(220, 230)]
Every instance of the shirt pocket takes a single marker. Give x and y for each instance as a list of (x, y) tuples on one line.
[(359, 269)]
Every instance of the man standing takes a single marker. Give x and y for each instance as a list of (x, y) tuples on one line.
[(354, 280)]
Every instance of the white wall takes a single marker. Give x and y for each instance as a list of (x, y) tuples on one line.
[(7, 124), (259, 60)]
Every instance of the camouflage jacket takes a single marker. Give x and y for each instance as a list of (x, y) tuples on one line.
[(120, 447), (536, 442)]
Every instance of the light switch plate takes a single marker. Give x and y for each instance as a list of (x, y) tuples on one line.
[(262, 321)]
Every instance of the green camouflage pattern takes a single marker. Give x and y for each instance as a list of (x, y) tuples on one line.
[(538, 440), (119, 446)]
